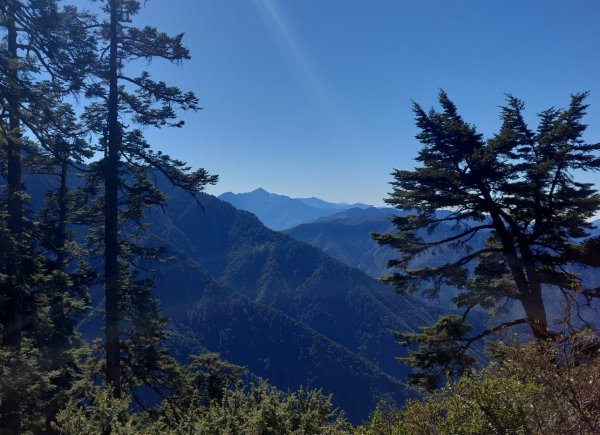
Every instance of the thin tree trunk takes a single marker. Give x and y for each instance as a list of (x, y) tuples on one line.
[(11, 337), (111, 212), (61, 233)]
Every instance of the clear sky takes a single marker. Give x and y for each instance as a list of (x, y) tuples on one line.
[(312, 97)]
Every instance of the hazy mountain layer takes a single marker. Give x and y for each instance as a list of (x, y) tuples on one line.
[(279, 212)]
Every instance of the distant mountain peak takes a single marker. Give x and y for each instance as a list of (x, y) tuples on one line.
[(280, 212)]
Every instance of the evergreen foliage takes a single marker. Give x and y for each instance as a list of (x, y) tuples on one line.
[(519, 190), (43, 58), (49, 54), (542, 387), (261, 410), (125, 101)]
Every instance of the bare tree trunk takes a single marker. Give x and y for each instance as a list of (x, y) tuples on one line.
[(530, 292), (533, 304), (111, 213)]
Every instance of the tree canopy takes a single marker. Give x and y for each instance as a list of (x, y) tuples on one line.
[(518, 191)]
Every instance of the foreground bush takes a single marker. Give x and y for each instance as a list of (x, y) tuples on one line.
[(539, 388), (550, 387), (262, 410)]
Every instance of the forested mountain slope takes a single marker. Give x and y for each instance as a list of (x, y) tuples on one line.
[(271, 344), (285, 309), (346, 237), (282, 308), (271, 268)]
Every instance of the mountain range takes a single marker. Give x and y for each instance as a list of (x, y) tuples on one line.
[(283, 308), (346, 237), (322, 279), (279, 212)]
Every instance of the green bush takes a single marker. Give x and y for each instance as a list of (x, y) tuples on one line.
[(262, 410), (536, 388)]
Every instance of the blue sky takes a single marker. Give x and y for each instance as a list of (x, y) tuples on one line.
[(312, 97)]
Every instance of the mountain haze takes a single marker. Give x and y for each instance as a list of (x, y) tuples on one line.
[(279, 212)]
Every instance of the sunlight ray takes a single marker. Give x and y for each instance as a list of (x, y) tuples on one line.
[(302, 66)]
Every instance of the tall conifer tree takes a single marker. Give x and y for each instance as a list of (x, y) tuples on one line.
[(128, 160)]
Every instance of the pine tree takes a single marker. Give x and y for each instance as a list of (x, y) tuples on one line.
[(518, 192), (125, 169), (62, 296), (41, 60)]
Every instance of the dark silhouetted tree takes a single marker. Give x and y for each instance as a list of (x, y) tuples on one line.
[(123, 101), (518, 190)]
